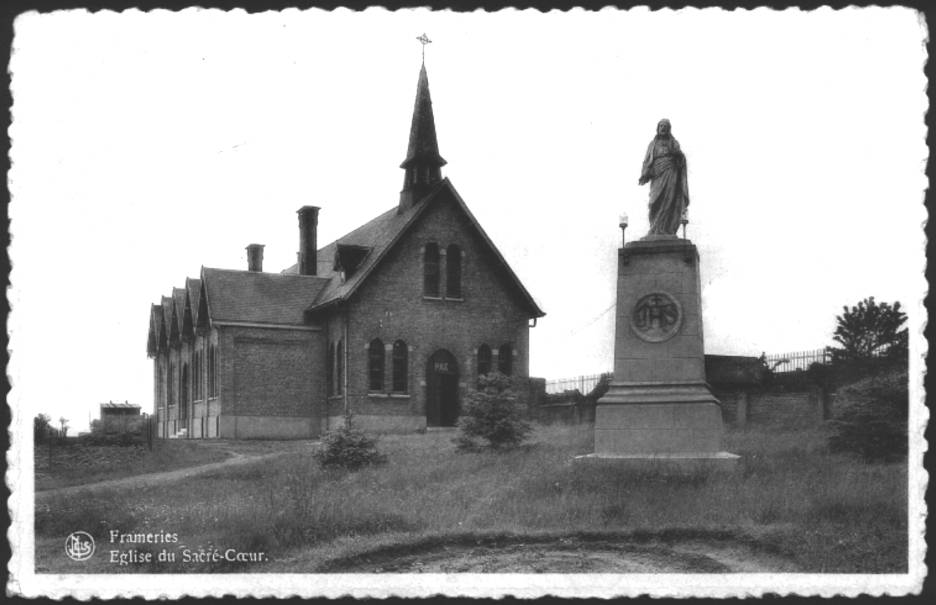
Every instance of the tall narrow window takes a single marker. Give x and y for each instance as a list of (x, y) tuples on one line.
[(171, 387), (330, 370), (484, 360), (400, 367), (505, 359), (184, 392), (453, 272), (201, 374), (196, 376), (339, 366), (375, 365), (163, 382), (212, 370), (431, 270)]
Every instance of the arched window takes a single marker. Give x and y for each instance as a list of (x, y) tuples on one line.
[(171, 387), (431, 270), (339, 366), (197, 376), (505, 359), (375, 365), (453, 272), (184, 392), (330, 370), (400, 367), (484, 360), (213, 366)]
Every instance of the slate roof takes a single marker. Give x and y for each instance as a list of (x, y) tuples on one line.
[(120, 406), (178, 308), (155, 330), (193, 295), (167, 317), (380, 234), (423, 144), (255, 297)]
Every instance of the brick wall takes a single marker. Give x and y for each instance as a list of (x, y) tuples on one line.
[(277, 373), (272, 382), (391, 306)]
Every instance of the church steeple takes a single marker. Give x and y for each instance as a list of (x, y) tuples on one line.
[(423, 163)]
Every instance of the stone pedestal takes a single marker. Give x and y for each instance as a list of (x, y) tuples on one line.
[(659, 407)]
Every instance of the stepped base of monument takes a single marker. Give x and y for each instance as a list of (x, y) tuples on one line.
[(675, 424), (672, 463)]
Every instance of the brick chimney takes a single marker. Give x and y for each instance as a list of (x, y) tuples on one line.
[(255, 257), (308, 240)]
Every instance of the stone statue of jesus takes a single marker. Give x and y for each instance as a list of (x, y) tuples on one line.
[(664, 167)]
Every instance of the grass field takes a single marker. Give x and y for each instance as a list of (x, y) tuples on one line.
[(75, 462), (789, 496)]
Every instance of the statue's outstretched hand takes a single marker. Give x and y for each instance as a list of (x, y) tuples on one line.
[(643, 180)]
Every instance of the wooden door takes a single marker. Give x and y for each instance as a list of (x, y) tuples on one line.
[(442, 389)]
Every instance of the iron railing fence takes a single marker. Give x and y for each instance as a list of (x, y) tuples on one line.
[(583, 384), (780, 363), (783, 363)]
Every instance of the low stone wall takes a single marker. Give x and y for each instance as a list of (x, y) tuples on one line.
[(563, 413), (780, 408)]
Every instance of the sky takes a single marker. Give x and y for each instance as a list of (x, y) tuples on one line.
[(145, 145)]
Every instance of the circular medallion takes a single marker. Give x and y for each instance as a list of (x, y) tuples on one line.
[(79, 546), (656, 317)]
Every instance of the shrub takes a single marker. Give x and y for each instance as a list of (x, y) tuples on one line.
[(870, 417), (490, 415), (349, 448)]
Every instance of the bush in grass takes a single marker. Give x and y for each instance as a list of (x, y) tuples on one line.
[(349, 448), (870, 417), (490, 417)]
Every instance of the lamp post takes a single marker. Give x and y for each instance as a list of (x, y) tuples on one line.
[(623, 225), (684, 220)]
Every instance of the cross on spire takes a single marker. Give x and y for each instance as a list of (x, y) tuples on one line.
[(424, 39)]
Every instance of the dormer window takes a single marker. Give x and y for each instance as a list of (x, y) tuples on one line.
[(348, 257)]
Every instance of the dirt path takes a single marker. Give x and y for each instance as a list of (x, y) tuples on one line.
[(146, 479), (571, 555)]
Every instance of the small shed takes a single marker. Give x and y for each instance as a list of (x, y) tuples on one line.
[(111, 409), (119, 418)]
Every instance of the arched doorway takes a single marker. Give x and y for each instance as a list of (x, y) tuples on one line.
[(442, 389)]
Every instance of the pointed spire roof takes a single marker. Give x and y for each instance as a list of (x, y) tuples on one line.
[(423, 164), (423, 144)]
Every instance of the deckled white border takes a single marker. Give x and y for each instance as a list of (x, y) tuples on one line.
[(24, 581)]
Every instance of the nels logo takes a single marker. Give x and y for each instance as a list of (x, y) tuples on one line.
[(79, 546)]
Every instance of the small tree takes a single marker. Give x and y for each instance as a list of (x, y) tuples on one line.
[(870, 330), (41, 428), (491, 415), (348, 448)]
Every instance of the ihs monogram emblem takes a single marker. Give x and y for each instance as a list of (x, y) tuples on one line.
[(656, 317)]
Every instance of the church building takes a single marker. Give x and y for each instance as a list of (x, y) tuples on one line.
[(392, 322)]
